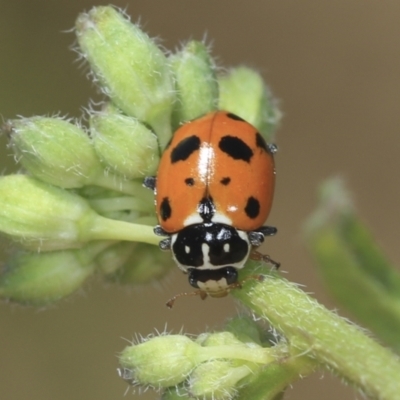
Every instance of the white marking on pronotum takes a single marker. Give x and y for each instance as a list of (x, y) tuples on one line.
[(218, 218)]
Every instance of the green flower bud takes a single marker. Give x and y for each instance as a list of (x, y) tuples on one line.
[(217, 380), (125, 145), (162, 361), (167, 360), (195, 82), (133, 71), (40, 215), (54, 150), (42, 278), (244, 93), (145, 264), (60, 153), (46, 217)]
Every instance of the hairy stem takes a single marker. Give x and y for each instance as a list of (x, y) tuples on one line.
[(313, 330)]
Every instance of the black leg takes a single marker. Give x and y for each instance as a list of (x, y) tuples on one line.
[(150, 182)]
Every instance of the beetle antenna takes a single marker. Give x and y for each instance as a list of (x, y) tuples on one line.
[(171, 301)]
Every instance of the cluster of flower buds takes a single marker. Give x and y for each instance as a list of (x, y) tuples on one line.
[(80, 202), (215, 365)]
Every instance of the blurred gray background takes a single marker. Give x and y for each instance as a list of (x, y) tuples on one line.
[(335, 66)]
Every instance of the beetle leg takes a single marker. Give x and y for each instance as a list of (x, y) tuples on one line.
[(149, 182)]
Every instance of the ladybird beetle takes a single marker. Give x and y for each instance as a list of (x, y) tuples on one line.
[(213, 192)]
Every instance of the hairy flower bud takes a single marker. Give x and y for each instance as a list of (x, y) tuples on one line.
[(43, 278), (40, 215), (54, 150), (195, 82), (132, 70), (124, 144), (243, 92), (162, 361), (168, 360), (45, 217), (61, 153)]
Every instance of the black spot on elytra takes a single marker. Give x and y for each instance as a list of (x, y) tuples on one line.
[(185, 148), (165, 209), (252, 208), (225, 181), (206, 209), (235, 148), (189, 181), (235, 117), (260, 142)]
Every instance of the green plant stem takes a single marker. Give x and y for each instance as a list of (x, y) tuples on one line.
[(354, 269), (101, 228), (362, 294), (313, 330), (146, 221)]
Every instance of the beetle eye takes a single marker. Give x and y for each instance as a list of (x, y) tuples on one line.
[(231, 275)]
